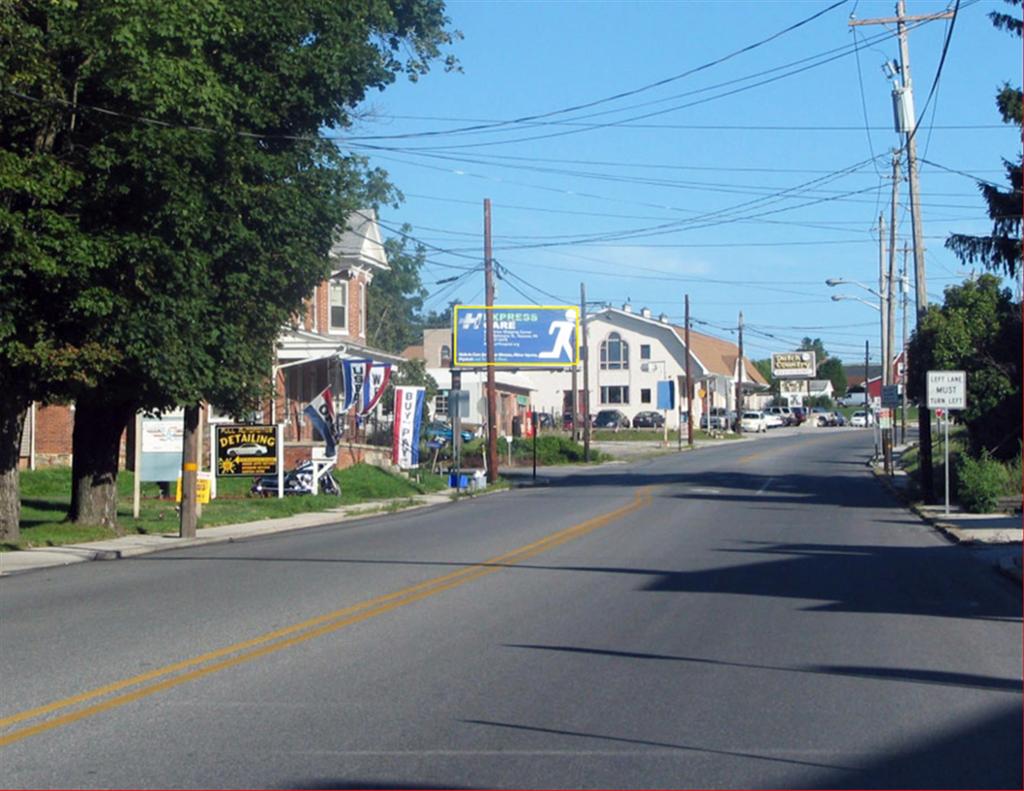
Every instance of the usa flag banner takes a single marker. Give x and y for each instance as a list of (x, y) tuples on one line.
[(354, 374), (320, 412), (374, 385)]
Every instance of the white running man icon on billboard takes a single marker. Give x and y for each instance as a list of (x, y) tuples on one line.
[(563, 339)]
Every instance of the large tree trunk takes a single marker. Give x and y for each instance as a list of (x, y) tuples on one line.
[(12, 421), (96, 445)]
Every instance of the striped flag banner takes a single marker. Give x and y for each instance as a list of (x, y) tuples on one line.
[(405, 449)]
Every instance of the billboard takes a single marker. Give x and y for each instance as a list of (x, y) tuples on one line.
[(792, 365), (545, 336)]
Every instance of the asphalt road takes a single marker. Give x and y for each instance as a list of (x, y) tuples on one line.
[(755, 615)]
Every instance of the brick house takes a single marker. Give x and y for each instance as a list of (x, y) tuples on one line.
[(332, 326)]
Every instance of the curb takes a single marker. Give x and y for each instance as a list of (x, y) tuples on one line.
[(71, 554)]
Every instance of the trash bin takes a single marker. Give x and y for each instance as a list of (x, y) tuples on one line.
[(458, 481)]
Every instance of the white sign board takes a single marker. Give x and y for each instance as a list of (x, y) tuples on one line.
[(947, 390), (789, 365)]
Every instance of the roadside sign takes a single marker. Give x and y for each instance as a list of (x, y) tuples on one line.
[(202, 489), (793, 365), (947, 390), (884, 418), (891, 396), (246, 450), (544, 336)]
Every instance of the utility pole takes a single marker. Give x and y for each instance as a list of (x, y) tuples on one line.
[(905, 291), (903, 98), (883, 312), (492, 401), (586, 373), (689, 381), (739, 381), (189, 472), (574, 404), (890, 304)]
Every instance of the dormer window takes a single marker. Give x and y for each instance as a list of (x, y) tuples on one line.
[(339, 306)]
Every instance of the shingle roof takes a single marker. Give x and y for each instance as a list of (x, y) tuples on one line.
[(719, 356), (360, 242)]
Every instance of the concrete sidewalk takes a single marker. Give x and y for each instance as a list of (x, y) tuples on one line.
[(133, 545), (999, 536)]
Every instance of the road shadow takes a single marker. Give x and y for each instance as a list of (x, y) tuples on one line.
[(895, 674)]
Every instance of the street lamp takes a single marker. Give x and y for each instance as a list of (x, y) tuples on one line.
[(881, 306), (842, 297)]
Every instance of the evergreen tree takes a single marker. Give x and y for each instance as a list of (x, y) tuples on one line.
[(1001, 250)]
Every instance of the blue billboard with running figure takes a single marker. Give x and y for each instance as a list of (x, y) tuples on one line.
[(545, 336)]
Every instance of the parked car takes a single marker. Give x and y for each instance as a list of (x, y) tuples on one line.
[(544, 420), (438, 429), (717, 418), (823, 417), (648, 420), (754, 422), (784, 413), (862, 419), (611, 418), (774, 420), (799, 414)]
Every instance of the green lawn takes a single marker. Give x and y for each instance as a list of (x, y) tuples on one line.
[(46, 495)]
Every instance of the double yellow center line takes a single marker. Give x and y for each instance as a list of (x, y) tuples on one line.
[(140, 686)]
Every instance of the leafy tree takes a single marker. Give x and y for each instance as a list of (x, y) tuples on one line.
[(814, 345), (397, 297), (764, 367), (169, 199), (440, 319), (1000, 250), (832, 369), (976, 330)]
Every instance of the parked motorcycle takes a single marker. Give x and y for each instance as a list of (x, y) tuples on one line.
[(298, 481)]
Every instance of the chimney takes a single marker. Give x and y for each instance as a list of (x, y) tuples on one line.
[(645, 312), (627, 308), (663, 318)]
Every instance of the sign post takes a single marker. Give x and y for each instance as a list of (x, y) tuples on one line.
[(947, 390)]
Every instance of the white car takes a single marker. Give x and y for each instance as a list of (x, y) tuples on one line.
[(862, 419), (753, 422), (248, 449), (773, 419)]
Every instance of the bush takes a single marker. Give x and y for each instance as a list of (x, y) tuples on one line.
[(980, 482)]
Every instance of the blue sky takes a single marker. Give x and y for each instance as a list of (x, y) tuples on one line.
[(675, 188)]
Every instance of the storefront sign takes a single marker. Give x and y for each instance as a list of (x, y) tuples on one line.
[(246, 450)]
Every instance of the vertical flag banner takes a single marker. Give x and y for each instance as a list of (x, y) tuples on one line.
[(405, 450), (373, 387), (320, 412), (354, 373)]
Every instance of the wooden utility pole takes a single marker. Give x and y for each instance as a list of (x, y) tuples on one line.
[(586, 373), (903, 97), (905, 291), (689, 380), (492, 398), (883, 312), (189, 472), (739, 381)]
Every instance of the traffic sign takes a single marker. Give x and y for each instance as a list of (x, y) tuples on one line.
[(947, 390), (891, 395)]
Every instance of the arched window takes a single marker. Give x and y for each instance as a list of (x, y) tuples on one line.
[(614, 353), (446, 356)]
